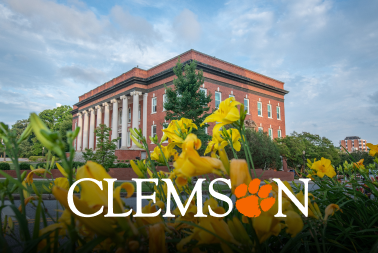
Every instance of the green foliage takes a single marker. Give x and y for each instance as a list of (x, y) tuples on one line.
[(292, 147), (122, 165), (186, 101), (264, 151), (105, 152), (35, 158), (355, 156), (25, 147), (24, 166), (4, 166)]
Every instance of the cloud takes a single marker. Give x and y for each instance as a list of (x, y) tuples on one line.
[(186, 26), (82, 74)]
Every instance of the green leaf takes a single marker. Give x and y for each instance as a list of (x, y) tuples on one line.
[(22, 223), (14, 181), (37, 220)]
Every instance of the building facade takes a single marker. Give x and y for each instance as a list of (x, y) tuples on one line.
[(353, 143), (135, 100)]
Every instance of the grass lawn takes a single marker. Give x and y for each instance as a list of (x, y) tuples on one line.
[(39, 184)]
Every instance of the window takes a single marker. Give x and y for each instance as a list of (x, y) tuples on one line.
[(218, 99), (279, 133), (154, 105), (270, 133), (139, 111), (261, 129), (204, 91), (120, 140), (129, 115), (231, 96), (164, 101), (278, 113), (269, 110), (259, 109), (246, 105), (128, 139), (153, 131)]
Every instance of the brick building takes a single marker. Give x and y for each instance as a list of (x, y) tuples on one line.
[(353, 143), (114, 103)]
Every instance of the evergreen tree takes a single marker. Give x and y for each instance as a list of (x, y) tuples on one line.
[(185, 100)]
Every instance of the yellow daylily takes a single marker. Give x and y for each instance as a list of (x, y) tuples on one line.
[(373, 149), (98, 224), (215, 144), (168, 151), (128, 187), (157, 239), (227, 113), (62, 170), (136, 169), (238, 231), (213, 204), (62, 182), (90, 192), (152, 208), (359, 165), (191, 164), (323, 167), (175, 127), (239, 173), (235, 137), (330, 210), (29, 177), (215, 226)]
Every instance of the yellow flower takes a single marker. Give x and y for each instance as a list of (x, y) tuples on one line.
[(62, 170), (29, 177), (216, 143), (239, 173), (330, 210), (190, 164), (227, 113), (324, 167), (98, 224), (211, 202), (168, 151), (177, 130), (136, 169), (215, 226), (267, 225), (359, 164), (238, 231), (90, 192), (152, 208), (235, 137), (157, 238), (129, 187), (373, 149), (62, 182)]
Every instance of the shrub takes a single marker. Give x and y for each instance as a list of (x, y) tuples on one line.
[(78, 164), (123, 165), (4, 166), (24, 166), (35, 158)]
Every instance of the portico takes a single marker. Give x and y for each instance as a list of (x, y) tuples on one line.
[(119, 113)]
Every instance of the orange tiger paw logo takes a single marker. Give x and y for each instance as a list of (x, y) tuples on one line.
[(249, 205)]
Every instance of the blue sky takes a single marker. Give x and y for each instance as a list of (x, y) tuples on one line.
[(326, 52)]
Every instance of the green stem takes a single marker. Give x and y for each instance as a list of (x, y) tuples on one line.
[(17, 167)]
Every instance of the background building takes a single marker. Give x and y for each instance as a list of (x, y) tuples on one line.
[(353, 143), (135, 99)]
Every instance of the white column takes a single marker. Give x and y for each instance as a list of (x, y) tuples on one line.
[(80, 135), (124, 122), (85, 131), (135, 95), (115, 119), (106, 118), (92, 129), (145, 95), (99, 117)]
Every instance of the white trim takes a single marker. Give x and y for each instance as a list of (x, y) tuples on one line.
[(259, 103), (270, 131), (260, 128), (215, 98), (153, 106), (279, 133), (279, 112), (246, 99), (267, 108), (152, 131), (164, 100)]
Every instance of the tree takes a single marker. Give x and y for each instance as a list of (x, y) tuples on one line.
[(292, 147), (186, 101), (265, 152), (105, 148), (25, 148), (355, 156)]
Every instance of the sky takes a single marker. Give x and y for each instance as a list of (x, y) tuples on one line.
[(326, 52)]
